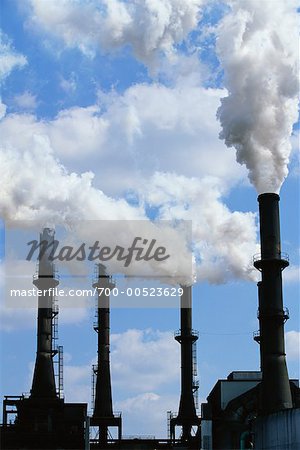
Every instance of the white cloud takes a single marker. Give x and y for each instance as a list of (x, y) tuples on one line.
[(147, 413), (291, 274), (123, 141), (149, 27), (144, 359), (26, 101), (68, 85), (9, 58), (143, 364), (165, 153), (12, 319), (2, 109), (46, 191), (292, 342)]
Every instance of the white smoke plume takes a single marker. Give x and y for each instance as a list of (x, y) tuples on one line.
[(35, 186), (223, 241), (258, 49), (150, 27)]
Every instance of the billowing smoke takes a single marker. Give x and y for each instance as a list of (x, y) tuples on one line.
[(223, 241), (258, 49), (38, 186), (150, 27), (35, 186), (46, 192)]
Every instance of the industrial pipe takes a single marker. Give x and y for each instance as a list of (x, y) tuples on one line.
[(276, 392), (43, 384)]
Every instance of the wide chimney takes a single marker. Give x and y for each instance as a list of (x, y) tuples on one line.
[(275, 387), (43, 384)]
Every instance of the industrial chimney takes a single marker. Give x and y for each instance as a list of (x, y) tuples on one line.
[(275, 387), (103, 415), (187, 337), (43, 385)]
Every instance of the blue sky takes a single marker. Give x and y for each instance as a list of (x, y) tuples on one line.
[(130, 93)]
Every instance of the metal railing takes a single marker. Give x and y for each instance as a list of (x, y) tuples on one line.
[(256, 336), (96, 277), (281, 256), (178, 333), (276, 312), (139, 436), (54, 275)]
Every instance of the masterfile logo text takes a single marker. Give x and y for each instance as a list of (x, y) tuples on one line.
[(140, 250), (148, 260)]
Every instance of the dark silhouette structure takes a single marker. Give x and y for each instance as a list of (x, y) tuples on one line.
[(275, 386), (243, 410), (43, 420), (103, 416), (187, 337), (248, 407)]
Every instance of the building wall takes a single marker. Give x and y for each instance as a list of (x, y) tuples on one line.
[(206, 435), (279, 431), (232, 389)]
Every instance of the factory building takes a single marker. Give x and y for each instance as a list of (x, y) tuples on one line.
[(248, 409)]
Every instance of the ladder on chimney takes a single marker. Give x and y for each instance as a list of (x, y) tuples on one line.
[(60, 371), (195, 393), (57, 351), (169, 414), (58, 362), (95, 323), (54, 324), (194, 356), (195, 372), (94, 376)]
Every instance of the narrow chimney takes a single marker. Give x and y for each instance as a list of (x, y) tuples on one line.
[(187, 416), (276, 392), (43, 384), (103, 397)]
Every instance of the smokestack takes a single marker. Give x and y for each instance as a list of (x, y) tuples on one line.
[(103, 398), (187, 416), (276, 392), (43, 384)]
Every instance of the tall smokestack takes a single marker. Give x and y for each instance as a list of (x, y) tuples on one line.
[(187, 416), (43, 384), (103, 409), (276, 392)]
